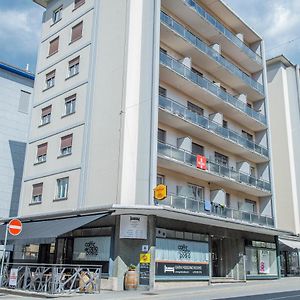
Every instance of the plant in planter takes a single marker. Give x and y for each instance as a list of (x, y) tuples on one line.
[(131, 278)]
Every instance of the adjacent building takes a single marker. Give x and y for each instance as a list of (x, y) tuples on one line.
[(131, 94), (16, 87), (284, 104)]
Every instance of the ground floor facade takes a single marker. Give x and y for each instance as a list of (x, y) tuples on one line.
[(165, 245)]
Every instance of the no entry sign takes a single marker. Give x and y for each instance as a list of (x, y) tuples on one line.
[(15, 227)]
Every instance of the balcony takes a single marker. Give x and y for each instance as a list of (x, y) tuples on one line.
[(190, 204), (184, 162), (197, 18), (177, 74), (184, 119), (177, 36)]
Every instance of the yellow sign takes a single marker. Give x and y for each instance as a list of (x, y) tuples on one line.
[(145, 258), (160, 192)]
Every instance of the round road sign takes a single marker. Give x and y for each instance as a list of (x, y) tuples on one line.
[(15, 227)]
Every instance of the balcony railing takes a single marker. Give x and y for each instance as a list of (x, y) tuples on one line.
[(189, 159), (208, 85), (203, 47), (190, 204), (203, 122), (224, 31)]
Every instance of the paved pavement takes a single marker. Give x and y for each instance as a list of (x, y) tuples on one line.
[(284, 289)]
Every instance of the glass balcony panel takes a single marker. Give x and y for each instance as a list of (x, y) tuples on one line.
[(192, 205), (246, 216), (178, 110), (179, 202)]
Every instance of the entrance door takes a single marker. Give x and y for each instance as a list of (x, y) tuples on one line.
[(216, 257)]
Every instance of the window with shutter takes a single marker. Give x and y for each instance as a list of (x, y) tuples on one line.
[(66, 145), (76, 32), (50, 79), (42, 152), (37, 192), (46, 115), (62, 188), (74, 67), (70, 104), (53, 46)]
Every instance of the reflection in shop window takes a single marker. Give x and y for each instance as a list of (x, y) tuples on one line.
[(26, 252)]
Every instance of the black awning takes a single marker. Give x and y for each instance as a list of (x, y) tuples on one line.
[(46, 231)]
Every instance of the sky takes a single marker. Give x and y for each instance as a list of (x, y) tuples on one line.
[(277, 21)]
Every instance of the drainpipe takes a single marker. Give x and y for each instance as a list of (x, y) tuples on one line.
[(298, 86)]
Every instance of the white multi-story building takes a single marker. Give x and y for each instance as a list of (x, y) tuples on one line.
[(15, 103), (131, 94), (284, 95)]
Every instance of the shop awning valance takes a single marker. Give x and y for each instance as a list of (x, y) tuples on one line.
[(289, 244), (46, 231)]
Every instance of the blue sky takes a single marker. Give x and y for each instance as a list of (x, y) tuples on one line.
[(276, 20)]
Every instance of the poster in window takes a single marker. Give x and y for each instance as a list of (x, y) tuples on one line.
[(264, 261), (92, 248)]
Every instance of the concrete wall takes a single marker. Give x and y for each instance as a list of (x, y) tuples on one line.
[(14, 122)]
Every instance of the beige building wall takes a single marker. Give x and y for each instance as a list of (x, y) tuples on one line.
[(283, 84)]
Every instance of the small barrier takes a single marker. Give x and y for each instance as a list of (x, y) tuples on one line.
[(52, 279)]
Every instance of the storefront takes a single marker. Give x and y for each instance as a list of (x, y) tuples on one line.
[(261, 260), (289, 257), (181, 256)]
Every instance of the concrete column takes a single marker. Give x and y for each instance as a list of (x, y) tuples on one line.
[(59, 250), (127, 251), (278, 257), (210, 274)]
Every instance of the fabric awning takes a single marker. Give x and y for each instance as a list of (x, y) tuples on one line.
[(46, 231), (289, 244)]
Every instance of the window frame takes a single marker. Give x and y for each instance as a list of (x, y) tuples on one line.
[(46, 119), (65, 151), (50, 80), (221, 159), (160, 179), (72, 30), (59, 190), (72, 101), (55, 11), (55, 39), (37, 196), (73, 65)]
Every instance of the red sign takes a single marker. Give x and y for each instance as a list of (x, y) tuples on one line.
[(201, 162), (15, 227)]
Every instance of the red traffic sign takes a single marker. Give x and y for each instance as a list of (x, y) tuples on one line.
[(15, 227)]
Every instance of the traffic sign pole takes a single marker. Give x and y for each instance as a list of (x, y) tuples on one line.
[(3, 255)]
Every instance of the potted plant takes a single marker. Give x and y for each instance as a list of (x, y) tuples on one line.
[(131, 278)]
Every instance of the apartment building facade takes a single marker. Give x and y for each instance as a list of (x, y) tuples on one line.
[(284, 95), (131, 94), (16, 87)]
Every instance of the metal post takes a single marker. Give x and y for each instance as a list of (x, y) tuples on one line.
[(3, 255)]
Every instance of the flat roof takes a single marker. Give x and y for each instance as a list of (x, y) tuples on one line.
[(16, 70), (280, 58)]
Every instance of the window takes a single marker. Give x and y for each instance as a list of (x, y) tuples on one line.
[(249, 105), (247, 135), (221, 159), (24, 102), (197, 149), (197, 72), (42, 153), (162, 91), (228, 200), (57, 14), (62, 188), (78, 3), (53, 46), (161, 135), (70, 103), (252, 171), (37, 192), (76, 32), (250, 206), (225, 124), (50, 79), (46, 115), (66, 145), (195, 192), (160, 179), (73, 67), (195, 108)]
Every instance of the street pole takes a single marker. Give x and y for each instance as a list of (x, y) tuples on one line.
[(3, 255)]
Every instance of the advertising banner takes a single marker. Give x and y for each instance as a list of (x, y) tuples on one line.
[(133, 227), (264, 261), (176, 257), (13, 277)]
